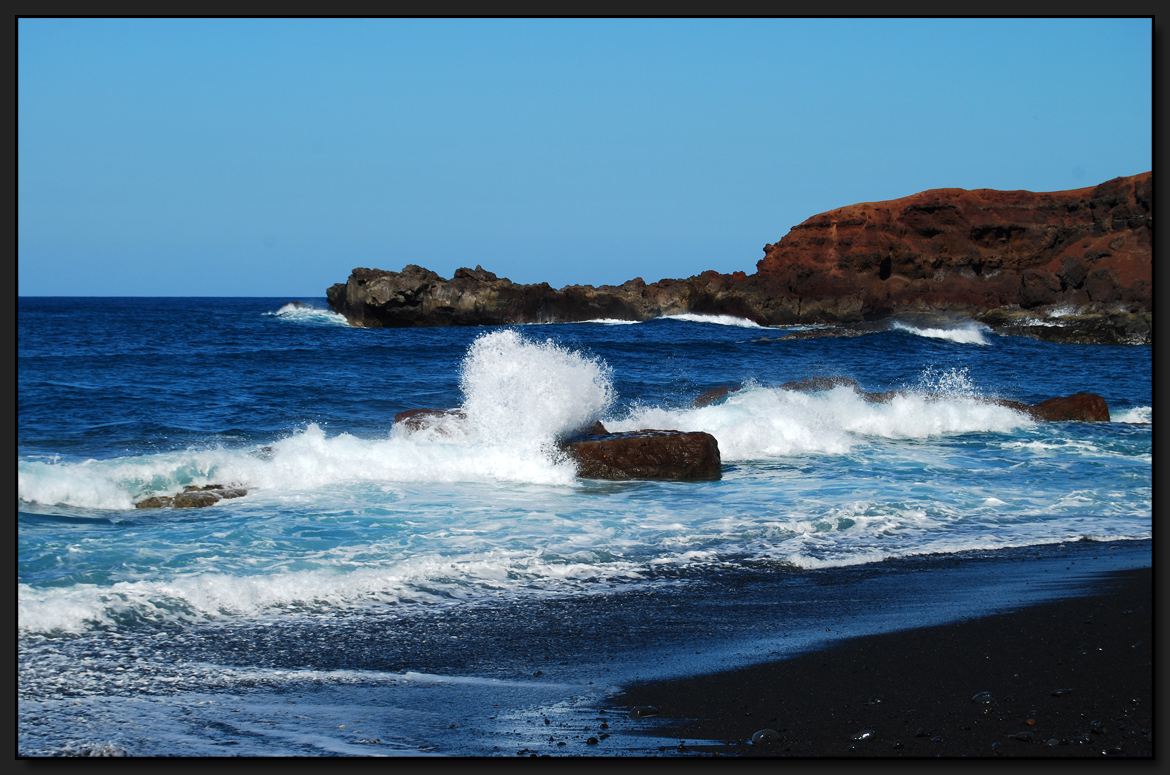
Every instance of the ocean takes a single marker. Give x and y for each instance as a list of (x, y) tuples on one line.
[(459, 591)]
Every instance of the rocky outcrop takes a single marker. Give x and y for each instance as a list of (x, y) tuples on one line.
[(646, 454), (192, 497), (952, 250), (1079, 407), (599, 454), (1065, 266)]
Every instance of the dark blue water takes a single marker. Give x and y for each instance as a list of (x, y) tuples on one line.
[(347, 517)]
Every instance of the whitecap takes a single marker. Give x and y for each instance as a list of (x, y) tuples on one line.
[(301, 313), (722, 320), (971, 333), (1138, 414)]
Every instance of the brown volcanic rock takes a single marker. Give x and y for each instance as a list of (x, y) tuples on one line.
[(192, 497), (967, 251), (647, 454), (1079, 407), (1000, 257)]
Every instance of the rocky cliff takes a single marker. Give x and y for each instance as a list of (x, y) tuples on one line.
[(1067, 265)]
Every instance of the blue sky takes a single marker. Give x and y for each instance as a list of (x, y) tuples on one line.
[(217, 157)]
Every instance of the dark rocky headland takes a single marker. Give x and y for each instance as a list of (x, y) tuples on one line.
[(1070, 266)]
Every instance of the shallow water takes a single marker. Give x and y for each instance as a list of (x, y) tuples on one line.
[(349, 519)]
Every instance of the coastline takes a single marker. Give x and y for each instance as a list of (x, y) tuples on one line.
[(1077, 671)]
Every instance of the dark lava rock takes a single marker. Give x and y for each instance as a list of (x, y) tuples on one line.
[(646, 454), (818, 333)]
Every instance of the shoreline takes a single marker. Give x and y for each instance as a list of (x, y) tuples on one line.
[(558, 676), (1076, 670)]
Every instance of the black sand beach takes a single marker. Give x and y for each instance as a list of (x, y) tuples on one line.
[(1070, 678)]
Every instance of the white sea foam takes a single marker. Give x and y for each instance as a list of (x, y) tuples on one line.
[(971, 333), (302, 313), (520, 396), (758, 422), (194, 595), (89, 484), (612, 322), (1138, 414), (722, 320)]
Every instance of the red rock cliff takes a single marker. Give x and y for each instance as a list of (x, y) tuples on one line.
[(969, 251)]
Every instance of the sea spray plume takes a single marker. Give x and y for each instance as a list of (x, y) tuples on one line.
[(526, 393), (949, 383)]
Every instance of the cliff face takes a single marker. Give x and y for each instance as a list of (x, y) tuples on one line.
[(968, 251), (1003, 257)]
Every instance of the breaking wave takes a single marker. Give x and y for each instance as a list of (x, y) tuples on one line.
[(971, 333), (722, 320), (1138, 414), (520, 396), (302, 313), (761, 422)]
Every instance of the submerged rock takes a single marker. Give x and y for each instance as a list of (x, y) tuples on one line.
[(192, 497), (155, 502), (417, 419), (646, 454), (711, 396), (195, 500), (815, 384)]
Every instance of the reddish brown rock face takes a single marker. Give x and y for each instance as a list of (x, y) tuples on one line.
[(647, 455), (952, 249)]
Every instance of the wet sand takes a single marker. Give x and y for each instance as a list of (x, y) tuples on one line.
[(1067, 678)]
